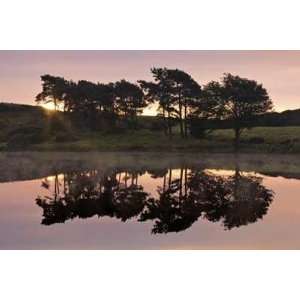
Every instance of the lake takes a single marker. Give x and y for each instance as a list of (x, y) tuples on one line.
[(149, 201)]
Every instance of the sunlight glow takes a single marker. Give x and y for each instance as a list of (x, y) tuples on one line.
[(49, 106)]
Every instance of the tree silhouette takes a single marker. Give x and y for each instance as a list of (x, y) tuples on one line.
[(71, 98), (184, 92), (211, 104), (129, 100), (88, 194), (235, 201), (175, 91), (237, 99), (88, 101), (174, 210), (249, 200), (160, 91), (105, 103), (53, 90), (156, 92)]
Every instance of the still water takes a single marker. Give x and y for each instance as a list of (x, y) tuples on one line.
[(149, 201)]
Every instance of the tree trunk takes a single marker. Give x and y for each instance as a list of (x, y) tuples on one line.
[(55, 104), (170, 177), (180, 119), (125, 179), (237, 134), (185, 181), (165, 122), (185, 120), (181, 122), (169, 125), (180, 182)]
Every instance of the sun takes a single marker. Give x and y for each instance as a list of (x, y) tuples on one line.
[(49, 105)]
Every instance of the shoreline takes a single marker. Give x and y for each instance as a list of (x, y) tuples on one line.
[(19, 165)]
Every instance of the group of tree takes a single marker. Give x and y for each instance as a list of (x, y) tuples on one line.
[(180, 100), (177, 95), (239, 101), (95, 102)]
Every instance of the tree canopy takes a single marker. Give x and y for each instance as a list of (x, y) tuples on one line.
[(237, 99), (179, 99)]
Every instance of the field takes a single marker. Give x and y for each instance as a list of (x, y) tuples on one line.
[(261, 139), (33, 128)]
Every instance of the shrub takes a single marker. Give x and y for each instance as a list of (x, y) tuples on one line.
[(26, 136)]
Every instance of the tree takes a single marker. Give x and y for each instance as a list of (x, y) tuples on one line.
[(158, 92), (105, 98), (183, 90), (87, 101), (129, 100), (53, 90), (175, 91), (210, 104), (239, 100), (71, 98)]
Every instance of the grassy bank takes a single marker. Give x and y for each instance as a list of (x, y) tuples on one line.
[(35, 129), (260, 139)]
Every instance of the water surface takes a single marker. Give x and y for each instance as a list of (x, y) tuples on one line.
[(149, 201)]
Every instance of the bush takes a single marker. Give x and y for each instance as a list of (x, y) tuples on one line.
[(26, 136)]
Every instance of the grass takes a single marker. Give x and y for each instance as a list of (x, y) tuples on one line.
[(270, 134), (260, 139), (264, 139), (33, 128)]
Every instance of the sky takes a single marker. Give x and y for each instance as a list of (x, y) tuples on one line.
[(278, 71)]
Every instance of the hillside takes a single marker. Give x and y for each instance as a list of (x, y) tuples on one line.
[(26, 127)]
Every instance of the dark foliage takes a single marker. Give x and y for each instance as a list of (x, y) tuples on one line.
[(22, 137), (234, 102)]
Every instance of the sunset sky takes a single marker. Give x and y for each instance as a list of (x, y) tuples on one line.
[(279, 71)]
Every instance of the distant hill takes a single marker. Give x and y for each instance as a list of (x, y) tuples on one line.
[(285, 118), (4, 107), (24, 125), (272, 119)]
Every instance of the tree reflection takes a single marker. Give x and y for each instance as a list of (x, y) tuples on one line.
[(235, 200), (174, 210), (183, 196), (122, 201), (88, 194), (249, 200)]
